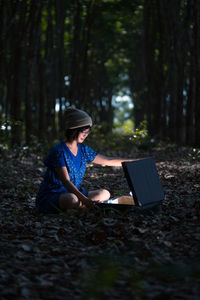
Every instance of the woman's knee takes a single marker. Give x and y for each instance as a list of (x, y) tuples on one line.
[(67, 201), (99, 195), (105, 194)]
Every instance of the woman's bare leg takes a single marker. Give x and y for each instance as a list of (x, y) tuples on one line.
[(99, 195), (67, 201)]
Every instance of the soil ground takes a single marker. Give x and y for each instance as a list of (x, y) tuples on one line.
[(100, 254)]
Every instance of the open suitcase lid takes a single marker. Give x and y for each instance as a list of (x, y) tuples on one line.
[(145, 186)]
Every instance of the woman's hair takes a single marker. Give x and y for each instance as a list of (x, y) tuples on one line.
[(72, 134)]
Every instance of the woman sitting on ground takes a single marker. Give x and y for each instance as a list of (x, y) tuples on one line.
[(66, 165)]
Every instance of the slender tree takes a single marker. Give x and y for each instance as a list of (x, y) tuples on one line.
[(196, 28)]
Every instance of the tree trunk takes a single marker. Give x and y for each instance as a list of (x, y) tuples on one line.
[(197, 69), (190, 105), (31, 60), (50, 71), (20, 31), (148, 53), (42, 115), (76, 55), (60, 28), (16, 99), (85, 65)]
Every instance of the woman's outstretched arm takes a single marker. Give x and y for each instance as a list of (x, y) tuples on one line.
[(110, 161)]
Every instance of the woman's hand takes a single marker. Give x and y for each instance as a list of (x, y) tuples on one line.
[(64, 176), (87, 202)]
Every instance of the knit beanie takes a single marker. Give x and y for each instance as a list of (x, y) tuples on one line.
[(75, 118)]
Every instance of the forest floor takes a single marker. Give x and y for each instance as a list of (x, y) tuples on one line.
[(100, 254)]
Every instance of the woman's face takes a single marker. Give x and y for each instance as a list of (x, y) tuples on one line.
[(83, 134)]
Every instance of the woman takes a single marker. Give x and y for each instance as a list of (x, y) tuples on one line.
[(66, 164)]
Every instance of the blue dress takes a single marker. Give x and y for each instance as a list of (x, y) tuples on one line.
[(52, 187)]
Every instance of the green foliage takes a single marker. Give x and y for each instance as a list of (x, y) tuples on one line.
[(6, 126), (140, 136), (102, 281), (189, 153), (107, 272), (23, 150), (193, 154), (121, 139)]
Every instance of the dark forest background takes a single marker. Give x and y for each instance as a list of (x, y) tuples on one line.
[(85, 52)]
